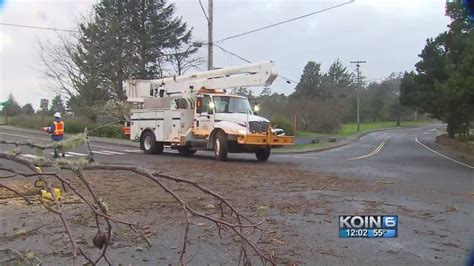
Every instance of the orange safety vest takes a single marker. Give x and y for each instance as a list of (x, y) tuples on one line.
[(58, 128)]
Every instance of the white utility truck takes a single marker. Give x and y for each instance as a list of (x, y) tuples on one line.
[(195, 112)]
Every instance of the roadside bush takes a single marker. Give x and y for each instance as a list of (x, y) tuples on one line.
[(73, 125), (324, 116), (25, 121), (280, 122)]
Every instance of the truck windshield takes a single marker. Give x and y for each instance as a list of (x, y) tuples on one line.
[(228, 104)]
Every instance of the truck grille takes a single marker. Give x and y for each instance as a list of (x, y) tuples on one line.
[(258, 126)]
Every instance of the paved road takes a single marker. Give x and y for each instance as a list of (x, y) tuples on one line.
[(397, 153), (431, 193)]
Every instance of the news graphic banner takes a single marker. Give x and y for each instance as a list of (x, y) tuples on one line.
[(368, 226)]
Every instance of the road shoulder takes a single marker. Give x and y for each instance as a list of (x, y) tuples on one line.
[(451, 149), (37, 133)]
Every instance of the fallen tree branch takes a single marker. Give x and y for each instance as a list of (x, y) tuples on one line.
[(100, 211), (28, 201), (28, 144)]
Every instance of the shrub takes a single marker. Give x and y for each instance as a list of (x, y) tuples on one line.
[(26, 121), (280, 122), (73, 125)]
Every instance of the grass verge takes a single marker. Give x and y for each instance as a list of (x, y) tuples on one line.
[(347, 130)]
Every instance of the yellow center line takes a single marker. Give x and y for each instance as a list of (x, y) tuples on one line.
[(374, 152)]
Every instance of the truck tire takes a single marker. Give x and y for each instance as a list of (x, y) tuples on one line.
[(263, 154), (221, 147), (149, 144), (186, 151)]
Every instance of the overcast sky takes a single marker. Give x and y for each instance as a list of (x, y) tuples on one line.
[(388, 34)]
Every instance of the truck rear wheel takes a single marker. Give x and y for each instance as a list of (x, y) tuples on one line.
[(221, 147), (149, 145), (186, 151), (263, 154)]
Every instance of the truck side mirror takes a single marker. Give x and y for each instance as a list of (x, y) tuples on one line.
[(199, 105)]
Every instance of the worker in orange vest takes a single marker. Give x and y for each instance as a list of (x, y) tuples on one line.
[(57, 131)]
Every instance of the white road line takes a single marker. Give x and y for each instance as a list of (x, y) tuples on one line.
[(108, 152), (29, 156), (99, 146), (67, 155), (374, 152), (76, 153), (136, 151), (100, 152), (113, 152), (442, 155), (304, 157)]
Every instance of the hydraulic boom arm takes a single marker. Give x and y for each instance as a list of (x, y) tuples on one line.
[(256, 74)]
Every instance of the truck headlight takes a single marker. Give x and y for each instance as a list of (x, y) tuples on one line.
[(242, 132)]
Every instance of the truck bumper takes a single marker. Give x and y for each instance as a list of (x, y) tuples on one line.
[(265, 139)]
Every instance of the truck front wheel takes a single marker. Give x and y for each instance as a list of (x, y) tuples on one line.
[(263, 154), (149, 145), (221, 147)]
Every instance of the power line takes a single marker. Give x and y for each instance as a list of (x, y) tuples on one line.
[(286, 21), (248, 61), (287, 79), (231, 53), (36, 27), (203, 10), (75, 31)]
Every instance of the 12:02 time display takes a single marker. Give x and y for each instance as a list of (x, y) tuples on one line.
[(357, 232)]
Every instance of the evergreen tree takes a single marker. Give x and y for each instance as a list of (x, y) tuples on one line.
[(27, 109), (11, 106), (443, 82), (124, 39), (153, 30), (57, 105), (310, 81), (107, 38), (337, 82), (129, 39)]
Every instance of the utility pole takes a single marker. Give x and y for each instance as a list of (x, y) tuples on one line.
[(209, 35), (359, 85)]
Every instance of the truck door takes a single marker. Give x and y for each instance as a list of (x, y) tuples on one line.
[(204, 116)]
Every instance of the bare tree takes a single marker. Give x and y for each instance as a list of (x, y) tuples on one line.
[(75, 75), (182, 61)]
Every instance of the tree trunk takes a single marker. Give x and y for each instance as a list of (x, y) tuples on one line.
[(467, 130), (93, 118), (450, 130)]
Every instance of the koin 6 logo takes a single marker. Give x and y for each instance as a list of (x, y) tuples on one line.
[(367, 221)]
